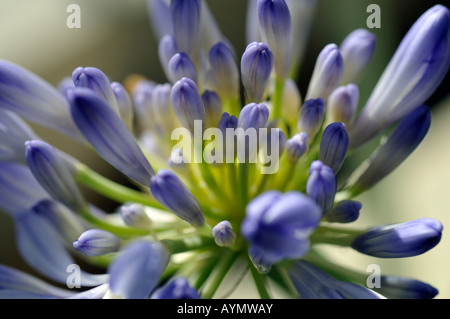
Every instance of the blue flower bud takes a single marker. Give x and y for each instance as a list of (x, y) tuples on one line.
[(180, 66), (106, 132), (296, 146), (224, 71), (66, 85), (13, 134), (32, 98), (275, 23), (400, 144), (394, 287), (342, 104), (177, 288), (169, 191), (97, 81), (414, 72), (346, 211), (286, 220), (134, 215), (311, 117), (224, 235), (96, 242), (167, 48), (162, 110), (253, 116), (213, 108), (334, 146), (321, 185), (161, 19), (327, 73), (228, 121), (313, 283), (142, 95), (357, 49), (124, 104), (400, 240), (186, 23), (256, 66), (187, 103), (53, 173), (137, 279)]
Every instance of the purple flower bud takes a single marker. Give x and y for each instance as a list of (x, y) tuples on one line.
[(414, 72), (186, 23), (106, 132), (394, 287), (134, 215), (400, 144), (142, 99), (321, 186), (296, 146), (161, 19), (253, 116), (97, 81), (311, 117), (161, 109), (187, 103), (177, 288), (275, 23), (228, 121), (53, 173), (400, 240), (346, 211), (224, 71), (277, 226), (96, 242), (327, 73), (169, 191), (124, 104), (342, 104), (256, 66), (180, 66), (32, 98), (137, 279), (313, 283), (167, 48), (224, 235), (213, 108), (357, 49), (334, 146)]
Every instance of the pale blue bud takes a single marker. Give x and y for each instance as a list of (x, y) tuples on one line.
[(96, 242), (311, 117), (180, 66), (186, 23), (134, 215), (296, 146), (346, 211), (342, 104), (334, 146), (224, 235)]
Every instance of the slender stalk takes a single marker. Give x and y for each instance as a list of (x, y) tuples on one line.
[(259, 280), (112, 190), (277, 100), (195, 242), (243, 184)]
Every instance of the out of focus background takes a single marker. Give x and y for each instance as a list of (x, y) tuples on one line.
[(116, 37)]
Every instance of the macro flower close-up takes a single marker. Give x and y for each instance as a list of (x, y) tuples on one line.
[(241, 170)]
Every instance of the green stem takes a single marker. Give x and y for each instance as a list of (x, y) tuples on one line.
[(243, 184), (219, 272), (334, 236), (112, 190), (259, 281), (278, 98), (177, 246), (205, 271)]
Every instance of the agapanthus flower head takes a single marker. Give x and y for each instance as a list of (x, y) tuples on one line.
[(272, 178)]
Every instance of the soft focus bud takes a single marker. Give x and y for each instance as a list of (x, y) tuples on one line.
[(186, 23), (96, 242), (177, 288), (167, 48), (256, 66), (400, 240), (357, 49), (327, 73), (180, 66), (224, 235), (292, 102), (275, 23), (346, 211), (334, 146), (213, 108), (394, 287), (342, 104), (296, 146), (311, 117), (124, 103), (321, 186), (169, 191), (134, 215), (414, 72), (187, 103)]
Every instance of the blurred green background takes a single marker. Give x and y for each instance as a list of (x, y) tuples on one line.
[(116, 36)]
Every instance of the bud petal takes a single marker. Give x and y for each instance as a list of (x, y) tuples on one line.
[(346, 211), (186, 23), (224, 234), (134, 215), (180, 66), (334, 146), (311, 117), (96, 242), (321, 186), (296, 146), (177, 288), (342, 104)]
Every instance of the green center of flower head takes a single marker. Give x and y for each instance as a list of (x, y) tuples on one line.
[(227, 181)]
